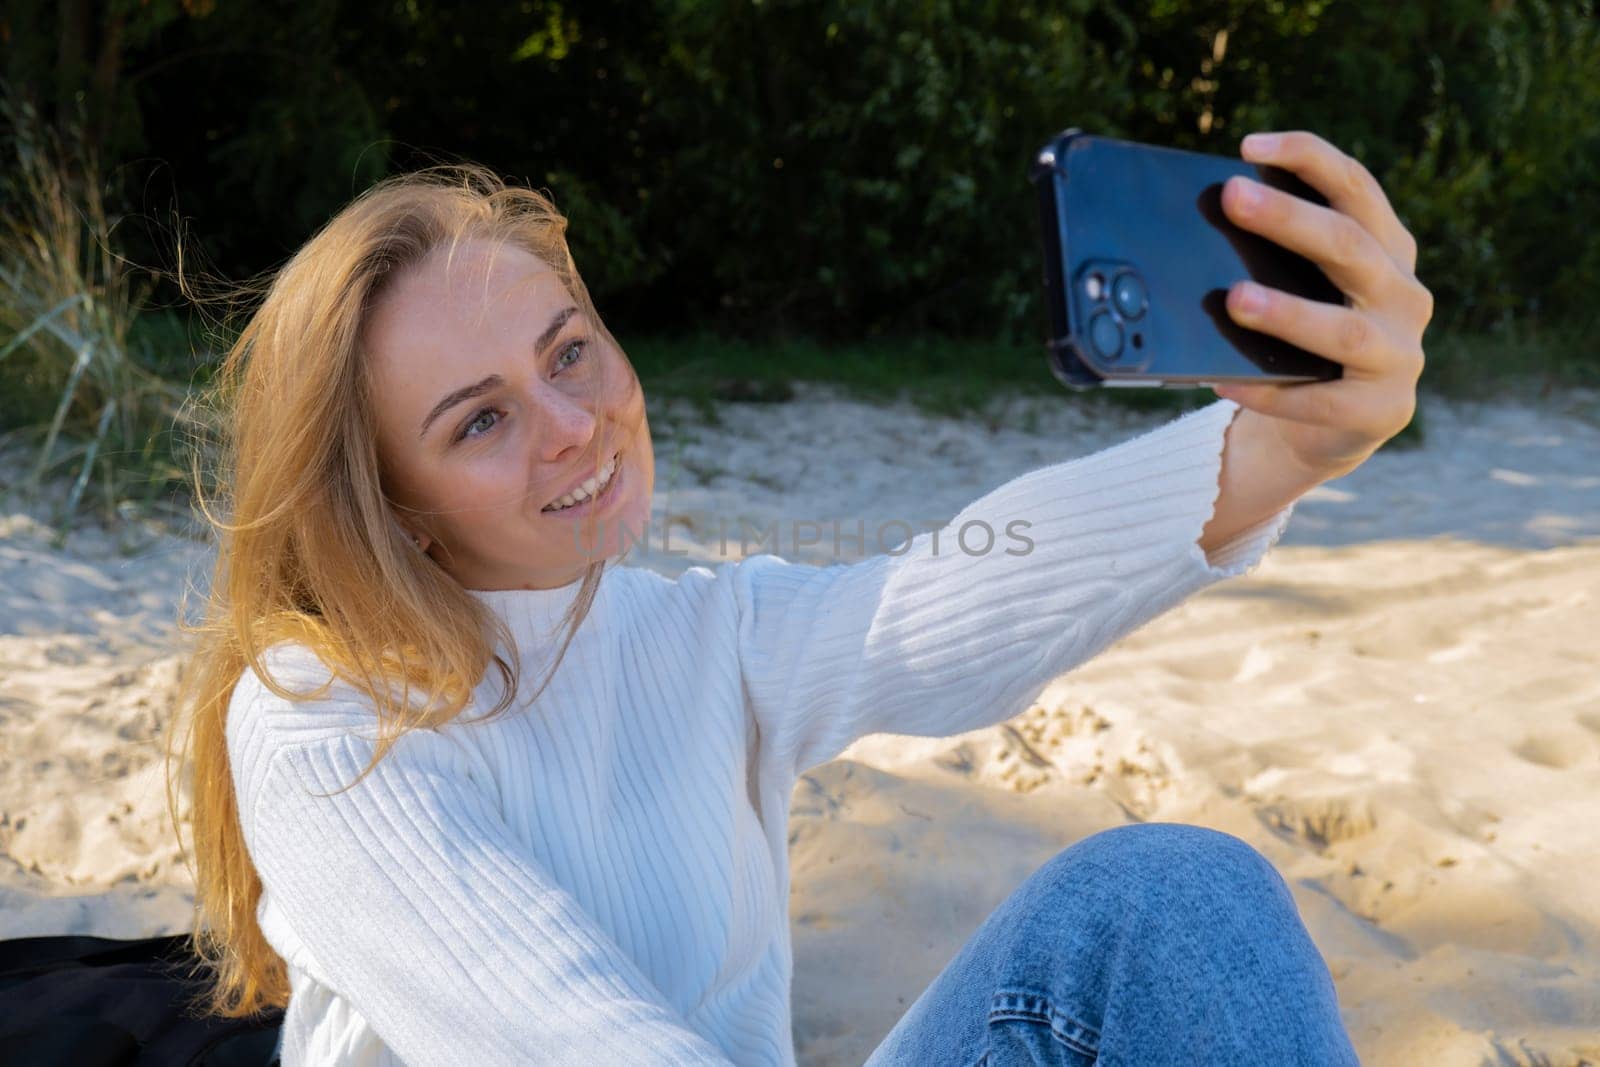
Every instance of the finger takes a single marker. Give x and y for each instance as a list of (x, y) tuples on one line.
[(1343, 334), (1357, 407), (1345, 181), (1346, 251)]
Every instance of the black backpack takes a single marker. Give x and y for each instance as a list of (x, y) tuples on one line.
[(99, 1002)]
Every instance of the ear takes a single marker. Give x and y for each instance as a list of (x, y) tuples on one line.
[(416, 537)]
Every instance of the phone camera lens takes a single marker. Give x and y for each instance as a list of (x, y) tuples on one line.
[(1128, 294), (1105, 335)]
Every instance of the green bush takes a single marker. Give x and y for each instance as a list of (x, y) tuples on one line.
[(1503, 189), (831, 169)]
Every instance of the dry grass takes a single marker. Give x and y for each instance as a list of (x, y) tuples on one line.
[(67, 303)]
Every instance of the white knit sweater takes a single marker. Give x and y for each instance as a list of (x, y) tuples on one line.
[(602, 876)]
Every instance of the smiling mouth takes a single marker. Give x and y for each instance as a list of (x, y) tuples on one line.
[(568, 501)]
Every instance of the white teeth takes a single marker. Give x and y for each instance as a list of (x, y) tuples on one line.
[(590, 487)]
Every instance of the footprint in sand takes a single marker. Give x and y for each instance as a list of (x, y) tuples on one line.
[(1222, 665), (1321, 821), (1559, 750)]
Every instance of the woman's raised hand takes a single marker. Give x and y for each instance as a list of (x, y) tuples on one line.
[(1330, 428)]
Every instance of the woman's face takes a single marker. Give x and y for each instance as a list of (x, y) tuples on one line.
[(483, 377)]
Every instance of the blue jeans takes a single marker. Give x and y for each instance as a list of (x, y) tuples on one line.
[(1144, 945)]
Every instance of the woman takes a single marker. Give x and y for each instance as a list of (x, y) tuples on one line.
[(437, 452)]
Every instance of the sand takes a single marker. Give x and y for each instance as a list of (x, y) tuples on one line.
[(1400, 708)]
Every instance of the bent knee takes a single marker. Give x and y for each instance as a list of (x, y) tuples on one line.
[(1175, 856), (1190, 889)]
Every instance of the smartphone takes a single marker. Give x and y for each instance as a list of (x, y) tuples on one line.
[(1138, 261)]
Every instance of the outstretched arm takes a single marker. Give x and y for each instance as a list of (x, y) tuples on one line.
[(936, 641), (919, 645)]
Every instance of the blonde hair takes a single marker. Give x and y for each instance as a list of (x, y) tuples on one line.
[(311, 551)]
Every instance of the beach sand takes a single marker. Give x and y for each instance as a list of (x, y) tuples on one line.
[(1400, 708)]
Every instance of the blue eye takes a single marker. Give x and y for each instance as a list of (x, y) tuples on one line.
[(477, 420), (574, 346)]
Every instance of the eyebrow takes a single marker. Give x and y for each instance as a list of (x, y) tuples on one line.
[(494, 381)]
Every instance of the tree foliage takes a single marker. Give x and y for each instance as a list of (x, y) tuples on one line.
[(826, 167)]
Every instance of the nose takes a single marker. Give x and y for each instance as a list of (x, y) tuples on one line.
[(564, 422)]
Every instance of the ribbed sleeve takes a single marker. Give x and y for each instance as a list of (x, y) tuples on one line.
[(420, 908), (937, 642)]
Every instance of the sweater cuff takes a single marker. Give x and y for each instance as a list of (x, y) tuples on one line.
[(1244, 551), (1195, 442)]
